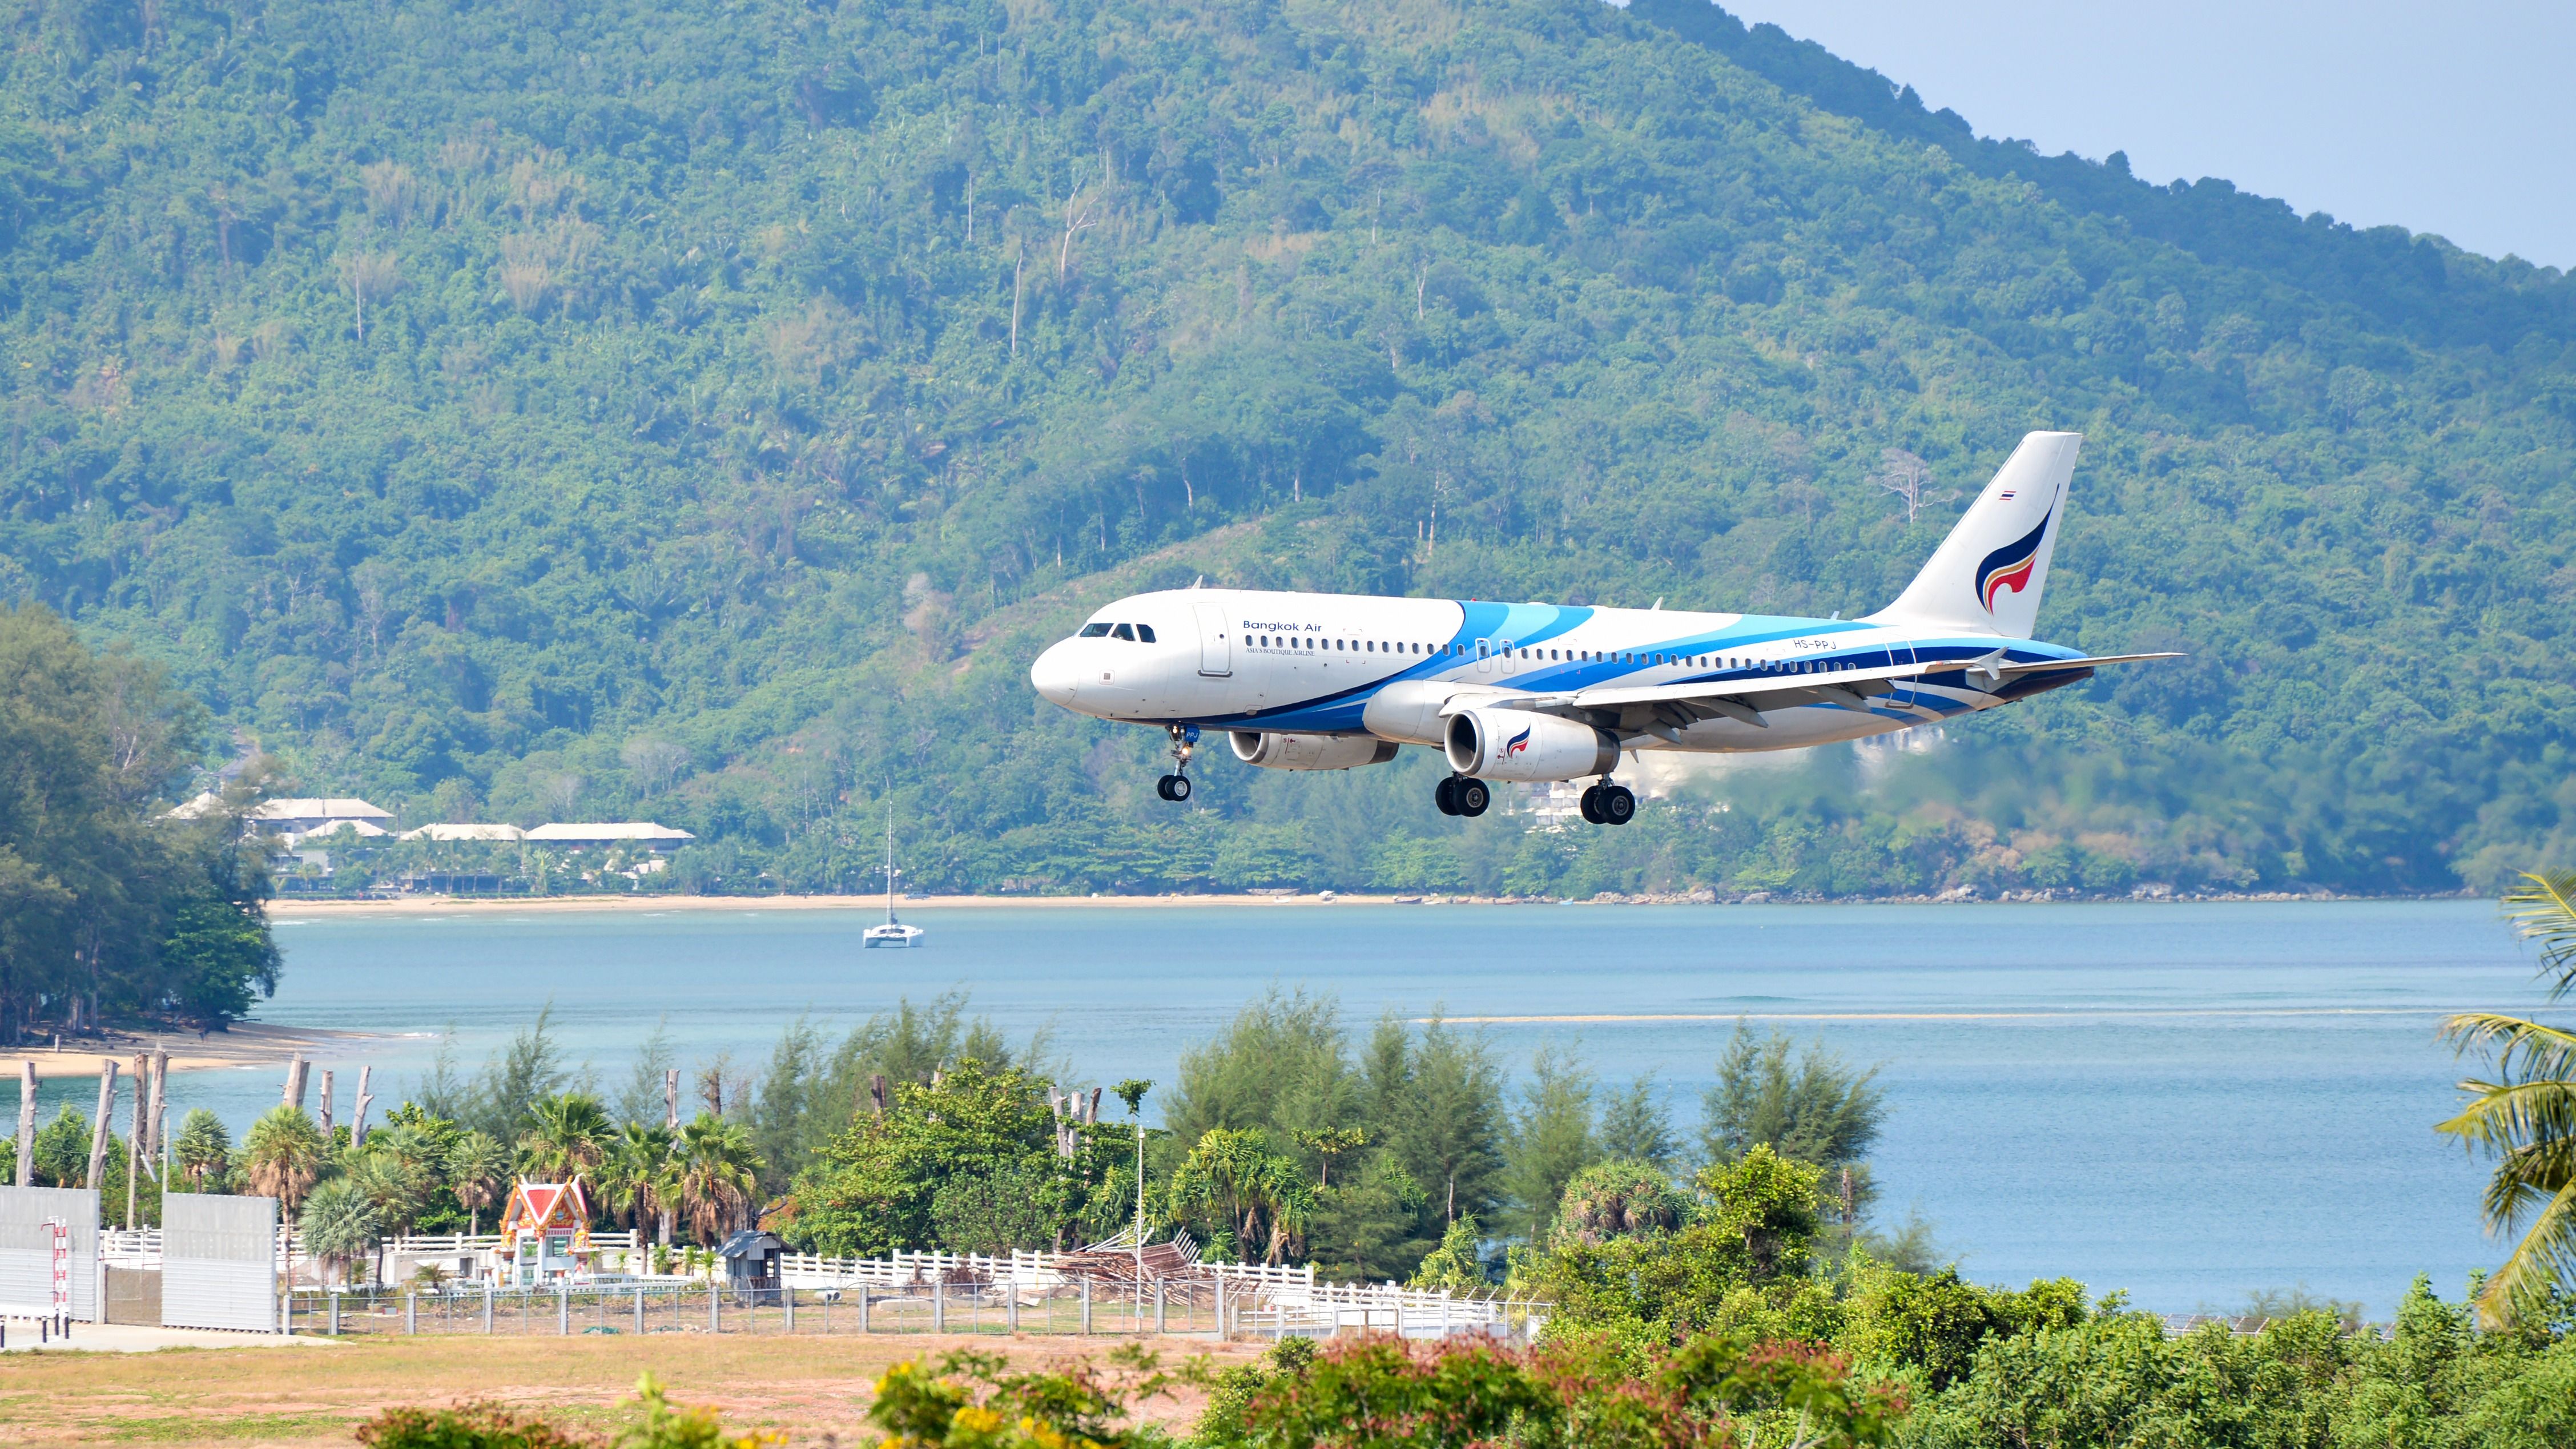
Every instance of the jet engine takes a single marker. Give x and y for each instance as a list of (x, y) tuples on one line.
[(1515, 744), (1309, 752)]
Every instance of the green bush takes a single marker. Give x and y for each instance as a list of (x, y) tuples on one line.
[(471, 1426)]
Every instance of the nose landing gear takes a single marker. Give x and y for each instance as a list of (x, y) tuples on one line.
[(1175, 786), (1608, 804), (1462, 795)]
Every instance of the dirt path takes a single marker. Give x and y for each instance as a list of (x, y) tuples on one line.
[(814, 1390)]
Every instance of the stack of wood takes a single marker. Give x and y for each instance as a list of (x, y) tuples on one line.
[(1174, 1262)]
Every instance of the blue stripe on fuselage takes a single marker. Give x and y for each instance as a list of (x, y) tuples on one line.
[(1523, 626)]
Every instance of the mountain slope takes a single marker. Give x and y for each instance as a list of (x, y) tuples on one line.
[(705, 411)]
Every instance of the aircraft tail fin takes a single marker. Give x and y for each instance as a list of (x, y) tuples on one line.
[(1986, 576)]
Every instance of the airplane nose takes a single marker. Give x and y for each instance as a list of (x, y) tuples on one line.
[(1053, 676)]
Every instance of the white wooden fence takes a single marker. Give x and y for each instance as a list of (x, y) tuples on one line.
[(1258, 1299)]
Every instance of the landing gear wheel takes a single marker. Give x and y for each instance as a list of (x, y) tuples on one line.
[(1617, 806), (1472, 796), (1446, 796), (1592, 804), (1175, 786)]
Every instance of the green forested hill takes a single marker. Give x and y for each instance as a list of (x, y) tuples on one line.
[(704, 410)]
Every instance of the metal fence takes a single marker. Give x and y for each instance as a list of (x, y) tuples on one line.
[(49, 1238), (217, 1267)]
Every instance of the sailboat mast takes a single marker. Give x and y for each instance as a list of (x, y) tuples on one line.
[(889, 865)]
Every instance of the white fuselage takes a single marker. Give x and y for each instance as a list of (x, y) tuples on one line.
[(1340, 665)]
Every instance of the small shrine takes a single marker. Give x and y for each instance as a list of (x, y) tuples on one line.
[(545, 1233)]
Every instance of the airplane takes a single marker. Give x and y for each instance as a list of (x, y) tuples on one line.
[(1547, 692)]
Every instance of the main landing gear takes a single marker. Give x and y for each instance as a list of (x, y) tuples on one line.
[(1608, 804), (1463, 795), (1603, 804), (1175, 786)]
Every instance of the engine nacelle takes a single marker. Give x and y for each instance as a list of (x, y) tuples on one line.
[(1515, 744), (1309, 752)]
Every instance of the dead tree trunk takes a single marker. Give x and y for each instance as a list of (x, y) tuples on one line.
[(98, 1124), (26, 1124)]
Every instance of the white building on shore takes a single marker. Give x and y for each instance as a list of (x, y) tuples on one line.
[(482, 834), (643, 834)]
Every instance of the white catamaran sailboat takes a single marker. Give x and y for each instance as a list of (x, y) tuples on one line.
[(893, 932)]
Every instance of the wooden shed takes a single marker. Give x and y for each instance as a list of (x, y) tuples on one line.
[(751, 1267)]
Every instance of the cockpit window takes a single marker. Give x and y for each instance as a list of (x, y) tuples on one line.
[(1123, 632), (1093, 631), (1145, 632)]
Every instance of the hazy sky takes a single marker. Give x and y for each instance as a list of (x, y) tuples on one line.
[(2458, 119)]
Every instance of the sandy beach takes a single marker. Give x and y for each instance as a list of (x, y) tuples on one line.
[(292, 909), (248, 1044)]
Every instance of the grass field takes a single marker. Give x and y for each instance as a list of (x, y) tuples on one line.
[(814, 1390)]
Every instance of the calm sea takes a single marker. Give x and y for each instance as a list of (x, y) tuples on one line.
[(2187, 1101)]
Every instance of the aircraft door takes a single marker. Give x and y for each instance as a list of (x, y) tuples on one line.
[(1216, 650), (1484, 656), (1505, 645), (1899, 656)]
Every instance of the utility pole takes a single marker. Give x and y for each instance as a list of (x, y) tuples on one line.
[(1132, 1092)]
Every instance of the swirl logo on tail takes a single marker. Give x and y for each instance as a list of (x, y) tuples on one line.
[(2009, 566)]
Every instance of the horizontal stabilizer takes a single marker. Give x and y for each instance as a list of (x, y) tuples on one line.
[(2043, 666)]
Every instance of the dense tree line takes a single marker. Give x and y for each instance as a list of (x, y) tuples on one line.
[(1741, 1249), (111, 907), (1679, 1302), (662, 410)]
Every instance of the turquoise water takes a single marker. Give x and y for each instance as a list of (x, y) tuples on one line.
[(2188, 1101)]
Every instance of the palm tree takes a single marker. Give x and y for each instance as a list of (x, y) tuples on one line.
[(634, 1178), (283, 1154), (478, 1172), (1234, 1175), (715, 1169), (202, 1149), (394, 1173), (567, 1136), (393, 1177), (339, 1225), (2526, 1117)]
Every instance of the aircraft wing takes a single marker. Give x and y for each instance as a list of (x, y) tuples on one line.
[(1841, 680), (1657, 708), (1613, 696)]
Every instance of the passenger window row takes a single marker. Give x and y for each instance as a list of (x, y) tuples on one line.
[(1689, 661), (1144, 634), (1349, 646)]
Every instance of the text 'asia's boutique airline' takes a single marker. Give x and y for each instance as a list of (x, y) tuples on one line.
[(1535, 692)]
